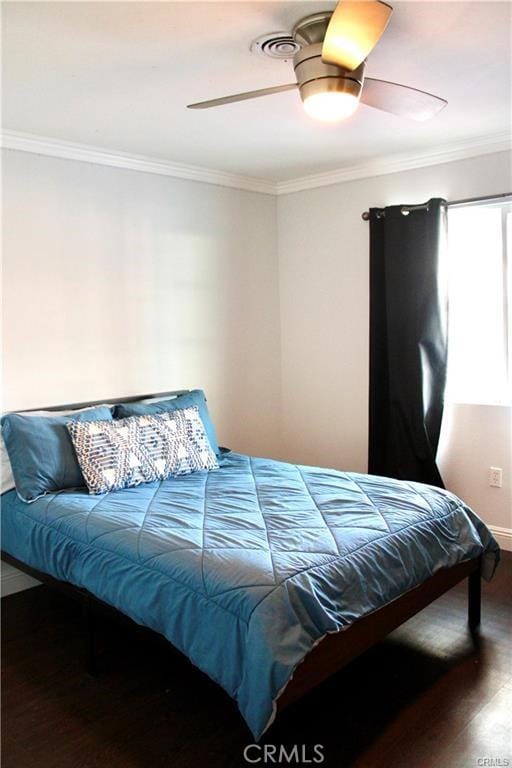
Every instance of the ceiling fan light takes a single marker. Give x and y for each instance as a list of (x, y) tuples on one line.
[(331, 106)]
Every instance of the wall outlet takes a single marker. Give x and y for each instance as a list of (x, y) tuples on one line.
[(495, 477)]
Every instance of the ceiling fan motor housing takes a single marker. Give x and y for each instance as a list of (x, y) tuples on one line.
[(314, 76), (312, 28)]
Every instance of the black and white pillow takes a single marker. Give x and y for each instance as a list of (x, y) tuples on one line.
[(141, 449)]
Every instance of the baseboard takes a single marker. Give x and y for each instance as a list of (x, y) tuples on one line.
[(503, 536), (12, 580)]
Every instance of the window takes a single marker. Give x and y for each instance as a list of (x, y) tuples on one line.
[(480, 334)]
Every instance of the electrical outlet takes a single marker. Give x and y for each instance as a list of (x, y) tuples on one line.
[(495, 477)]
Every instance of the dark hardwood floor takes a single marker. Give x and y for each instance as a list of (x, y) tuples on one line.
[(424, 697)]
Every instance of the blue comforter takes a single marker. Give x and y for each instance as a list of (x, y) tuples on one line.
[(244, 569)]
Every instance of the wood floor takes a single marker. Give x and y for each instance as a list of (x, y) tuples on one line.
[(424, 697)]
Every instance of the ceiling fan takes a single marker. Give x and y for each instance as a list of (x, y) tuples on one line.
[(329, 67)]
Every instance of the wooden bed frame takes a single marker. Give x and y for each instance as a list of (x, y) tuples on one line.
[(330, 655), (335, 650)]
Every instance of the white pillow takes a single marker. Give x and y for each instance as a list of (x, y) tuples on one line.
[(6, 477)]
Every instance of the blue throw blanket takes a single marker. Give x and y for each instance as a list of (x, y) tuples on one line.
[(245, 568)]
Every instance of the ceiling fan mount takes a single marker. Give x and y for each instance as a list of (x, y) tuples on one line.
[(330, 67), (311, 29)]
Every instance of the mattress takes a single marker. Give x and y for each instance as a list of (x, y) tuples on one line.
[(245, 568)]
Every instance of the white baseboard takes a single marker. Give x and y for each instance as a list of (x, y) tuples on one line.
[(503, 536), (12, 580)]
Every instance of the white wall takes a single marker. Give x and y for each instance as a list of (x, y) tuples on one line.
[(323, 262), (117, 282), (474, 438)]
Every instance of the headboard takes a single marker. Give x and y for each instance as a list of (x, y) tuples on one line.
[(109, 400)]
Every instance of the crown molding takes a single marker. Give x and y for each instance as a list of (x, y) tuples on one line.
[(460, 150), (41, 145)]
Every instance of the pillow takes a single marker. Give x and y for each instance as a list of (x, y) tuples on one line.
[(188, 400), (141, 449), (41, 451), (6, 476)]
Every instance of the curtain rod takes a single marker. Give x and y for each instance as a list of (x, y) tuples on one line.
[(454, 203)]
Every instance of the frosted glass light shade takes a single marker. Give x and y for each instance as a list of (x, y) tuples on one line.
[(331, 106)]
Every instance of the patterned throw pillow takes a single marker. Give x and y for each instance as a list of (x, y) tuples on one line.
[(141, 449)]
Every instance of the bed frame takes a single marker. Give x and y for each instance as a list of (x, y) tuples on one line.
[(335, 650)]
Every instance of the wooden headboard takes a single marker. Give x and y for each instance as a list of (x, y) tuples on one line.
[(109, 400)]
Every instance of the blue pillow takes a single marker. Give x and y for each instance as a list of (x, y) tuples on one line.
[(195, 397), (41, 452)]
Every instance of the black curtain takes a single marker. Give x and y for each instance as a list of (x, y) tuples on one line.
[(408, 340)]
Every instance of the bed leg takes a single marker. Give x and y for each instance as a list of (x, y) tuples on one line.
[(474, 599), (88, 628)]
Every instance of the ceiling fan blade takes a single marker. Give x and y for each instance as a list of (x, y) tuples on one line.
[(242, 96), (400, 99), (354, 30)]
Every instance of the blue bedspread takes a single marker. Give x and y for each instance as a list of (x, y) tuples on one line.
[(244, 569)]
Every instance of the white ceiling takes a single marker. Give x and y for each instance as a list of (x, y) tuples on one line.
[(119, 74)]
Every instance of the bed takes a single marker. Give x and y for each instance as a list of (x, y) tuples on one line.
[(268, 576)]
